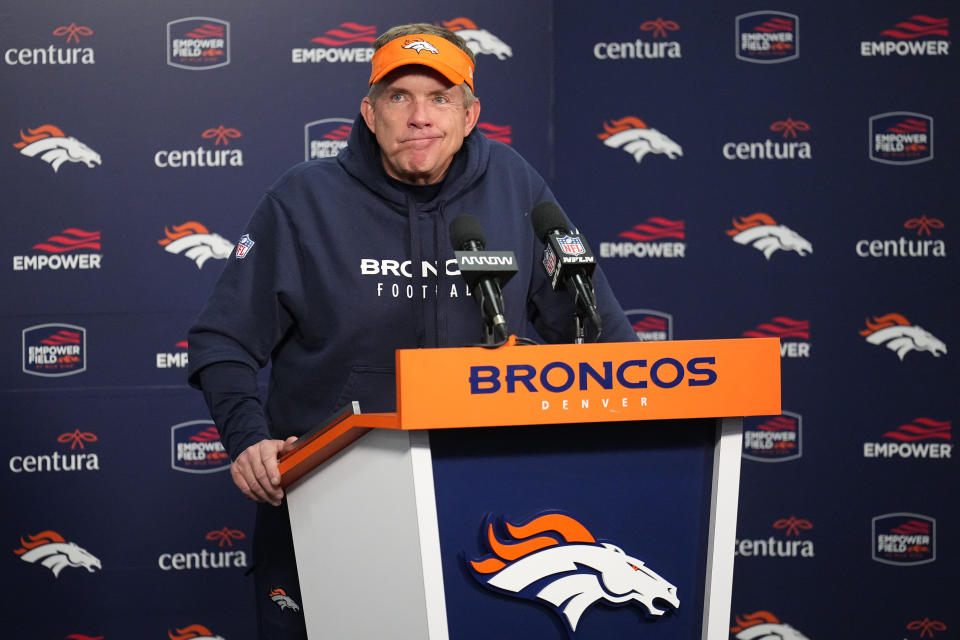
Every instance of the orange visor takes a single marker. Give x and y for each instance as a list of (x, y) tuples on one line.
[(428, 50)]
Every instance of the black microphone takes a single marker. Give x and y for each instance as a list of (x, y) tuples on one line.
[(567, 259), (485, 273)]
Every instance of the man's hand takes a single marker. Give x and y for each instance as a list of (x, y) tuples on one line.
[(255, 471)]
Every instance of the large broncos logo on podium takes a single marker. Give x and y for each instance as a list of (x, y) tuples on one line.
[(556, 559)]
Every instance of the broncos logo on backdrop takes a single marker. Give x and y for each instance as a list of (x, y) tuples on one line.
[(763, 625), (51, 550), (55, 147), (636, 138), (901, 337), (556, 559), (420, 46), (283, 601), (193, 631), (196, 242), (479, 40), (764, 234)]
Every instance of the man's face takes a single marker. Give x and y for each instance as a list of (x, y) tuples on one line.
[(420, 121)]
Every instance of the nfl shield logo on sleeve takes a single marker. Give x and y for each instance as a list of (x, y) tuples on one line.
[(243, 247), (571, 246)]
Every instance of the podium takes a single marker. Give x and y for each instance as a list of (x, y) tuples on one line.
[(581, 491)]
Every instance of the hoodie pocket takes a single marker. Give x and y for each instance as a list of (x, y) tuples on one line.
[(375, 388)]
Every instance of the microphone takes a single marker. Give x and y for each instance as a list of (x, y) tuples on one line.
[(567, 259), (485, 273)]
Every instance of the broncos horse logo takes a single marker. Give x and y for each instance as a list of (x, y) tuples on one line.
[(636, 138), (556, 559), (51, 550), (55, 147), (196, 242), (283, 601), (896, 332), (763, 233), (194, 632), (479, 40), (420, 46), (763, 625)]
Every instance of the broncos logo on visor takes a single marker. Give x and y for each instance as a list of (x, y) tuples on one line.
[(636, 138), (51, 550), (896, 332), (764, 234), (554, 558), (55, 147)]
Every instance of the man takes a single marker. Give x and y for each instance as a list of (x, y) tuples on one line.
[(347, 259)]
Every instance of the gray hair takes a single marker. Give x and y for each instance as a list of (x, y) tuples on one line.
[(431, 29)]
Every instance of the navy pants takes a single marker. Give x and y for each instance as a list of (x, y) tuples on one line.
[(278, 601)]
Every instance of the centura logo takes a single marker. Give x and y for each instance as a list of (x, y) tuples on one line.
[(348, 42), (198, 43), (50, 549), (789, 546), (763, 625), (926, 627), (773, 438), (634, 136), (63, 251), (790, 148), (193, 632), (502, 133), (760, 231), (900, 138), (904, 539), (195, 448), (794, 335), (54, 350), (281, 599), (658, 48), (325, 138), (224, 557), (920, 438), (76, 459), (201, 156), (554, 558), (174, 360), (902, 247), (196, 242), (919, 35), (896, 333), (55, 147), (650, 325), (479, 40), (657, 237), (767, 37), (54, 54)]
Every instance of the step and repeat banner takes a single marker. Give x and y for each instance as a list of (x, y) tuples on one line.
[(741, 170)]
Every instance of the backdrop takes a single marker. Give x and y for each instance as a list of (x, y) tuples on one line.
[(742, 169)]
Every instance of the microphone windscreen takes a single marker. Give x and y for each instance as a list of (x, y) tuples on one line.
[(464, 229), (546, 217)]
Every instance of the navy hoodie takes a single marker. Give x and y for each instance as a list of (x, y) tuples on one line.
[(346, 266)]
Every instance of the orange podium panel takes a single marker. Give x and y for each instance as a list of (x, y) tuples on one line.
[(600, 382)]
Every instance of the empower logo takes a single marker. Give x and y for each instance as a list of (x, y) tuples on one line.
[(761, 231), (773, 438), (900, 138), (325, 138), (195, 448), (650, 325), (63, 251), (554, 558), (767, 37), (922, 438), (904, 539), (198, 43), (794, 335), (896, 333), (55, 147), (502, 133), (632, 135), (657, 237), (918, 35), (348, 42), (50, 549), (54, 350)]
